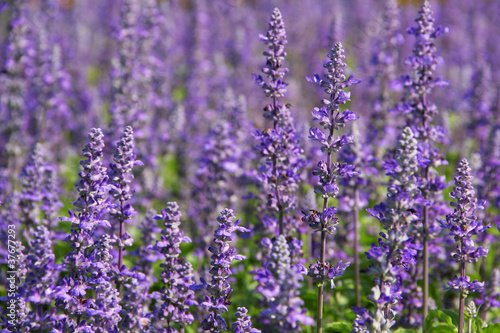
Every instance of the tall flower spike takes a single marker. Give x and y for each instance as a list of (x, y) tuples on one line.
[(279, 282), (331, 118), (124, 108), (91, 206), (223, 255), (420, 114), (120, 178), (394, 250), (177, 276), (214, 187), (279, 169), (15, 81), (463, 224), (385, 56)]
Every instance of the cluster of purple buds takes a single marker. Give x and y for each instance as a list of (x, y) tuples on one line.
[(279, 283), (175, 297), (243, 323), (38, 201), (463, 224), (219, 288), (120, 177), (103, 310), (281, 161), (394, 250)]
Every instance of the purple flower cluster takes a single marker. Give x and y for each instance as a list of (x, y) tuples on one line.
[(223, 254), (120, 177), (177, 276), (281, 161), (166, 81), (243, 323), (331, 118), (394, 251), (279, 282), (463, 224)]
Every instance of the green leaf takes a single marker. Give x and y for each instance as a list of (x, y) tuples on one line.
[(406, 330), (447, 321), (443, 328), (492, 328), (453, 315), (338, 327)]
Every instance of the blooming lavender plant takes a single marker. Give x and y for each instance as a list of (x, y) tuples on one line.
[(420, 113), (177, 276), (214, 184), (124, 108), (91, 206), (463, 224), (102, 311), (385, 56), (331, 118), (279, 282), (18, 71), (394, 251), (281, 161), (219, 288), (38, 288), (120, 178)]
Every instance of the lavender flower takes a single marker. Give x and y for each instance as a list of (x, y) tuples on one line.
[(134, 302), (91, 205), (463, 224), (330, 118), (103, 311), (243, 323), (19, 70), (38, 288), (394, 250), (214, 181), (39, 201), (124, 107), (223, 255), (420, 113), (120, 178), (279, 282), (384, 61), (177, 275), (281, 161)]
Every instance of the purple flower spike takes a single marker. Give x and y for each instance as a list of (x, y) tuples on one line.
[(463, 224), (177, 276), (394, 251), (102, 311), (279, 169), (331, 119), (120, 177), (279, 283), (223, 255), (91, 206)]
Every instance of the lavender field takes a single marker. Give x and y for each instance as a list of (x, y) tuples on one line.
[(250, 166)]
